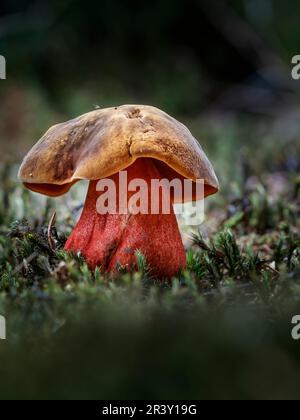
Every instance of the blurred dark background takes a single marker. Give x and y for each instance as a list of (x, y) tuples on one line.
[(193, 58)]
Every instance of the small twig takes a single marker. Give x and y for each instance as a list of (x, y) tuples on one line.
[(267, 266), (25, 263), (51, 242)]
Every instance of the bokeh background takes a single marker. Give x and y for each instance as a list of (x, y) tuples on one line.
[(206, 62), (224, 69)]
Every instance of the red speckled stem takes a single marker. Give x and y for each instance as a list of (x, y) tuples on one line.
[(110, 241)]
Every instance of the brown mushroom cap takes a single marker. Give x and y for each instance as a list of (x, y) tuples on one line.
[(101, 143)]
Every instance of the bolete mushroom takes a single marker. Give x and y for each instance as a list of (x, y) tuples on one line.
[(145, 142)]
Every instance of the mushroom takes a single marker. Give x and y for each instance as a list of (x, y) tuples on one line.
[(147, 144)]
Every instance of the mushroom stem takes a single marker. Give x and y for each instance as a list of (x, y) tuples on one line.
[(111, 240)]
